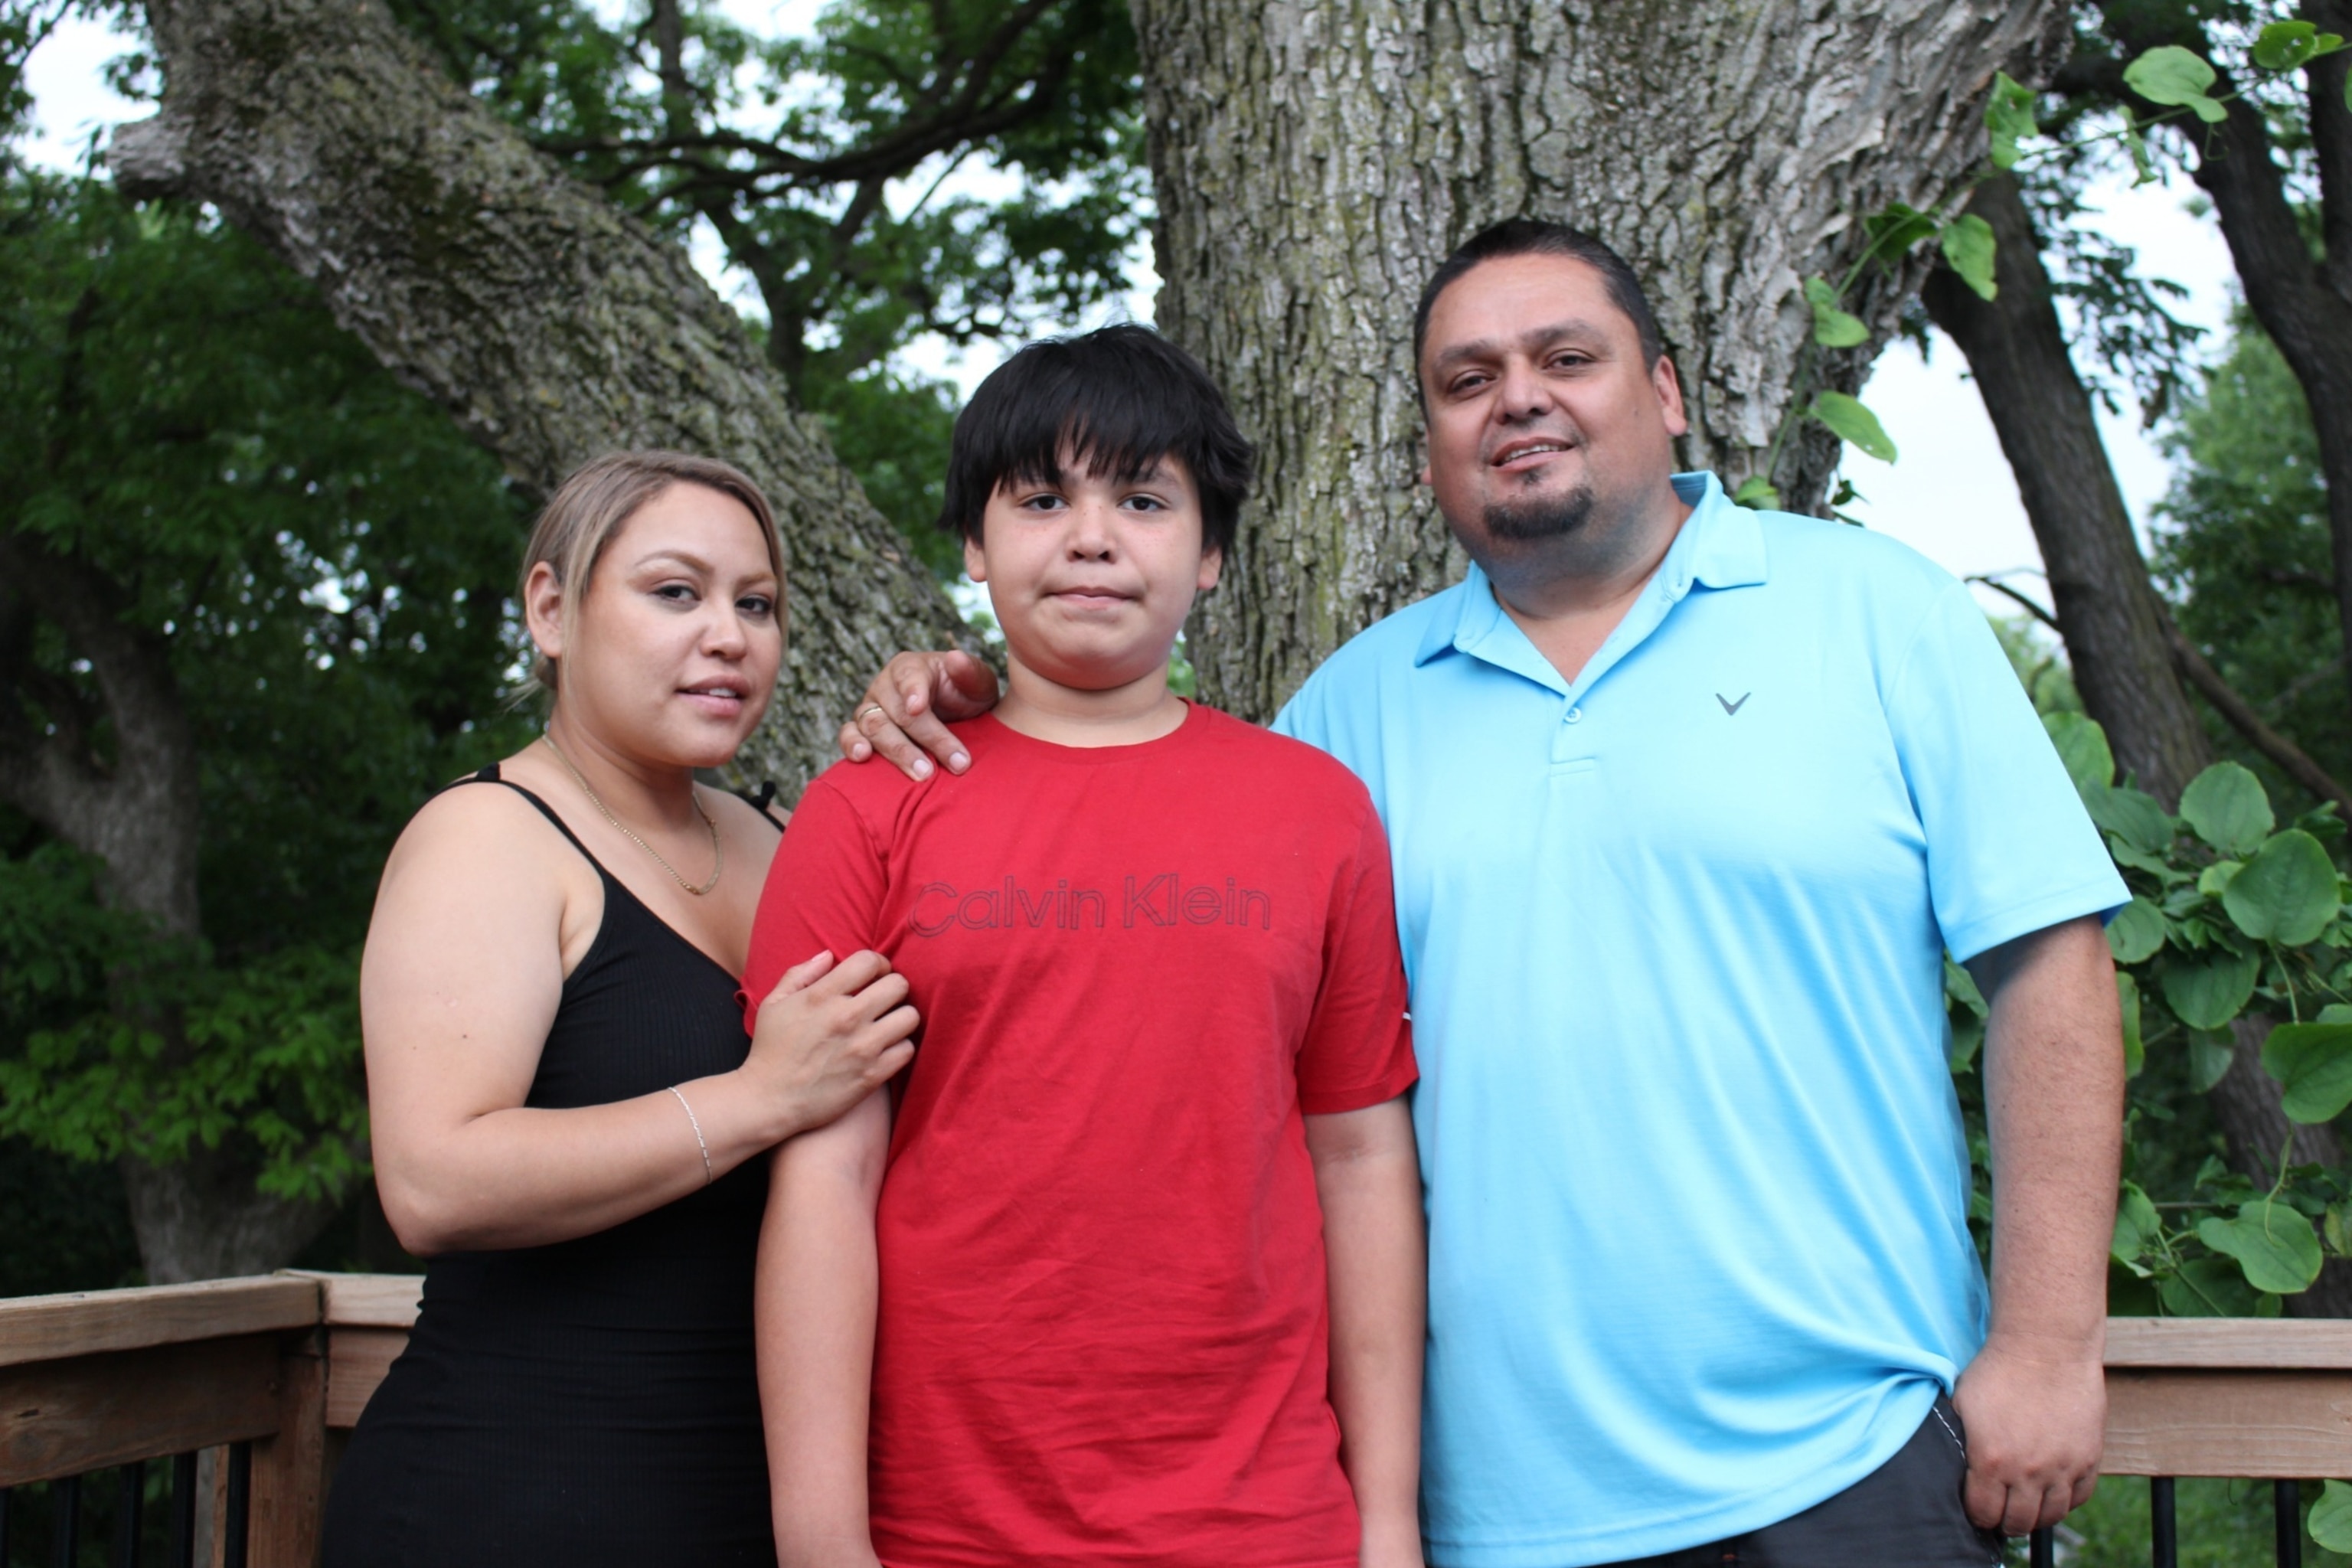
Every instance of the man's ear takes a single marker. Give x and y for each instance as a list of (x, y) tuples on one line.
[(1213, 567), (1669, 388), (542, 610), (975, 560)]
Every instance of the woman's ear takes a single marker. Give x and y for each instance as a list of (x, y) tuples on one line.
[(542, 609)]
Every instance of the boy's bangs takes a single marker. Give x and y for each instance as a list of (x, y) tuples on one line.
[(1106, 432)]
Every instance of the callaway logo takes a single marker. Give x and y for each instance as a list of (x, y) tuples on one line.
[(1731, 706)]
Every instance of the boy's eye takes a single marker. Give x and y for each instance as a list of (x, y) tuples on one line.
[(1044, 501), (1146, 503)]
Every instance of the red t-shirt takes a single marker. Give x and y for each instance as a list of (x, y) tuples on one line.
[(1103, 1332)]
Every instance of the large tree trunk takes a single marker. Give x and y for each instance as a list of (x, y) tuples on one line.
[(2107, 610), (1317, 159), (2118, 637), (137, 814), (554, 326)]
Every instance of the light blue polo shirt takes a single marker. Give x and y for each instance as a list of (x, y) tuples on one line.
[(1697, 1187)]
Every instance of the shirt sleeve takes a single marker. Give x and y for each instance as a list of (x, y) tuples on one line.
[(823, 893), (2011, 850), (1359, 1046)]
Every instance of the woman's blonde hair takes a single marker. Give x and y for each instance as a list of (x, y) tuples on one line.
[(589, 507)]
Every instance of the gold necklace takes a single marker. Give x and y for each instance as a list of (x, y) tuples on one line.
[(717, 857)]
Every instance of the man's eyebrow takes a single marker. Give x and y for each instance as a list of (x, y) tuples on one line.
[(1534, 338)]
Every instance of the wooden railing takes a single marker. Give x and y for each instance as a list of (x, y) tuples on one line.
[(265, 1375), (269, 1374)]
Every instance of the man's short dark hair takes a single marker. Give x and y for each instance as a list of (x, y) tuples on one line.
[(1120, 400), (1533, 236)]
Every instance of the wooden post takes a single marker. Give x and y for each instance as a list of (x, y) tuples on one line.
[(290, 1467)]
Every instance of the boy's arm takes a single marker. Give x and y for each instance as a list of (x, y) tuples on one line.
[(815, 1292), (1369, 1179)]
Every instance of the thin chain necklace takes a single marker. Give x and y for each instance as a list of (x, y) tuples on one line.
[(717, 857)]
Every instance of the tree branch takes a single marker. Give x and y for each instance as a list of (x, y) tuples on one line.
[(2289, 758)]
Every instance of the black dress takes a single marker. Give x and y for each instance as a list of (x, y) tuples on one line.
[(594, 1401)]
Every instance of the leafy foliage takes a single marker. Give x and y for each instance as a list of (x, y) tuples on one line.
[(326, 560)]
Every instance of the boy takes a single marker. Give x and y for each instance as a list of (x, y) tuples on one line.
[(1158, 1099)]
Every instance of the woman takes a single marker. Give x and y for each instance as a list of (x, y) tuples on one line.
[(564, 1107)]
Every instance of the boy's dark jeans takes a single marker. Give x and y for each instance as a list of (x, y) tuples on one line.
[(1908, 1513)]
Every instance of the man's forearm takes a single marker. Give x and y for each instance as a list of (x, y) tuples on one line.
[(1369, 1183), (2054, 1092), (816, 1291)]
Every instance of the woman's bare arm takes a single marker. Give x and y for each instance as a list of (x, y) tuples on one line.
[(464, 969)]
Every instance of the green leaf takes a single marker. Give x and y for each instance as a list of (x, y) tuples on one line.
[(2008, 119), (2083, 747), (2208, 993), (1968, 246), (2134, 1048), (2137, 1224), (2173, 76), (2314, 1061), (2331, 1517), (2144, 165), (1852, 422), (2283, 45), (2287, 893), (2135, 932), (2132, 816), (2209, 1288), (2274, 1243), (2215, 879), (2210, 1057), (1757, 491), (2227, 807), (1832, 327), (1896, 227)]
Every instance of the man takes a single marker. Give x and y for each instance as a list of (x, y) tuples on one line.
[(1686, 803)]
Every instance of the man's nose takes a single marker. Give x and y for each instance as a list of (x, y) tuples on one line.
[(1522, 393)]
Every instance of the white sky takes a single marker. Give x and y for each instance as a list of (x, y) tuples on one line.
[(1950, 496)]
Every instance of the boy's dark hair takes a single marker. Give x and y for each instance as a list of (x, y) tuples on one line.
[(1533, 236), (1122, 398)]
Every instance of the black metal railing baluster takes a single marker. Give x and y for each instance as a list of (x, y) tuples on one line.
[(2042, 1548), (182, 1552), (2163, 1538), (2286, 1502), (126, 1514), (65, 1520), (240, 1504)]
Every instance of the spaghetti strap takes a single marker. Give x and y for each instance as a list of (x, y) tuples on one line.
[(489, 775), (760, 800)]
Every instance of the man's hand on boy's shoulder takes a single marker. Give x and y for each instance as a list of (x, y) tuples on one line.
[(905, 713)]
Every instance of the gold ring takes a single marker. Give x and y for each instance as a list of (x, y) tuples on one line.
[(870, 707)]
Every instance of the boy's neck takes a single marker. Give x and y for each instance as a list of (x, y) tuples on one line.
[(1127, 715)]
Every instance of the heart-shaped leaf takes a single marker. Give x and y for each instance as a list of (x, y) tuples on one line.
[(2274, 1243), (1852, 422), (2137, 1224), (2209, 1288), (2083, 747), (2227, 806), (2331, 1517), (2208, 993), (2283, 45), (2135, 932), (1832, 327), (2173, 76), (2008, 119), (2132, 816), (1969, 248), (2287, 893), (2314, 1061)]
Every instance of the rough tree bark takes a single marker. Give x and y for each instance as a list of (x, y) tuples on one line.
[(549, 323), (1315, 161), (2119, 638), (552, 325)]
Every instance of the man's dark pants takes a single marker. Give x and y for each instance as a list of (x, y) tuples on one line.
[(1908, 1513)]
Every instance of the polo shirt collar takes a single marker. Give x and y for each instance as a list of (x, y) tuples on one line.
[(1721, 545)]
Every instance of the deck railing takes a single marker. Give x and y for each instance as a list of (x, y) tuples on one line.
[(262, 1377), (267, 1375)]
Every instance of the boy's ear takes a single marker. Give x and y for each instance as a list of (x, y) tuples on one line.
[(975, 560), (1212, 567)]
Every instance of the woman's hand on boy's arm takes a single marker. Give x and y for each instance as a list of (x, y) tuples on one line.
[(1369, 1179), (906, 711)]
